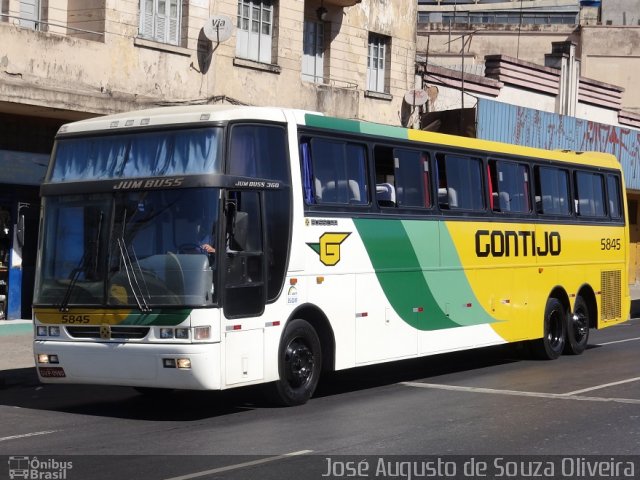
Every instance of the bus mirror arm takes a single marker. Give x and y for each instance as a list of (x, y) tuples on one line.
[(20, 231)]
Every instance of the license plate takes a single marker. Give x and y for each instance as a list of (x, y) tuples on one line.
[(52, 372)]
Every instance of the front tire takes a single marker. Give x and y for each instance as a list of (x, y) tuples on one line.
[(551, 345), (577, 328), (299, 364)]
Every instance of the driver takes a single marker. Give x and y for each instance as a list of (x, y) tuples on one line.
[(204, 241)]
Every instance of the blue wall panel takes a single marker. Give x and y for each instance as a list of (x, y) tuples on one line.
[(533, 128)]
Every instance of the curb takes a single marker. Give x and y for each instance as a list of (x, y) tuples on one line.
[(16, 327)]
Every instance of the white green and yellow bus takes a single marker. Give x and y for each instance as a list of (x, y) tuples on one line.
[(212, 247)]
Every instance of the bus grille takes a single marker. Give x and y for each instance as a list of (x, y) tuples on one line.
[(130, 333), (611, 308)]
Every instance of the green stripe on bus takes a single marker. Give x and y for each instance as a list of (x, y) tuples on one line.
[(160, 317), (411, 278), (354, 126)]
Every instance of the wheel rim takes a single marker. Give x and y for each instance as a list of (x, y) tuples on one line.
[(299, 363), (579, 324), (555, 335)]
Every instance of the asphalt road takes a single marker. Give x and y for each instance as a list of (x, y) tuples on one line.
[(456, 407)]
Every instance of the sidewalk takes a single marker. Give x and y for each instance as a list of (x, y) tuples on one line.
[(634, 291), (16, 337), (16, 353)]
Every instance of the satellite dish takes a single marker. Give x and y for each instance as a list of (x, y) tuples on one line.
[(416, 98), (218, 28)]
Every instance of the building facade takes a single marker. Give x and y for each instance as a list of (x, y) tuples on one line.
[(64, 60), (606, 34)]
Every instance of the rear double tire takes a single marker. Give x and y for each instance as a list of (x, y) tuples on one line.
[(577, 328), (552, 343), (299, 364)]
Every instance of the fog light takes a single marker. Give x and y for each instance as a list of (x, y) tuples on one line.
[(53, 359), (182, 333), (202, 333), (41, 331), (43, 358), (169, 362), (54, 331), (184, 363), (166, 333)]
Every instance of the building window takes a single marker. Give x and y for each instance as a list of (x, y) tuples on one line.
[(160, 20), (255, 30), (313, 52), (30, 14), (377, 63)]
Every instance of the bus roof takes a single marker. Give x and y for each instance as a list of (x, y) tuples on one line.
[(195, 114)]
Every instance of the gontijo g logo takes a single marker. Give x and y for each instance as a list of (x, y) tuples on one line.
[(329, 247)]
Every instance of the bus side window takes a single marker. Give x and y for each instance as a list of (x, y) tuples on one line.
[(460, 184), (509, 187), (590, 194), (552, 191), (339, 172), (412, 178), (613, 192), (261, 150), (385, 176), (311, 190)]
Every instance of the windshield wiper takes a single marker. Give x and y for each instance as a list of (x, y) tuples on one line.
[(82, 267), (131, 277)]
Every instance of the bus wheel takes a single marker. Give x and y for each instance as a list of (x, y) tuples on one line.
[(577, 328), (299, 364), (550, 346)]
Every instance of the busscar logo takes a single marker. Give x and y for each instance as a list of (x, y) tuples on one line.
[(328, 248)]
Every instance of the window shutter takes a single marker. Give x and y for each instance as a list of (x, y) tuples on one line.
[(30, 13), (146, 18), (174, 22), (381, 67), (371, 70), (255, 29)]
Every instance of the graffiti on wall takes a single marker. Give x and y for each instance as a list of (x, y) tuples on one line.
[(534, 128)]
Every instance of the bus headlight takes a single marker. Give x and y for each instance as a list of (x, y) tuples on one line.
[(48, 358), (41, 331), (166, 333), (182, 333), (54, 331), (183, 363)]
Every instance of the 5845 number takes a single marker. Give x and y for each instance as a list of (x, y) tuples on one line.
[(610, 244)]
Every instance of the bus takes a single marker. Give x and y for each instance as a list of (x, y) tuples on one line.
[(213, 247)]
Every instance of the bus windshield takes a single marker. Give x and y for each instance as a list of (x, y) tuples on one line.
[(135, 155), (137, 249)]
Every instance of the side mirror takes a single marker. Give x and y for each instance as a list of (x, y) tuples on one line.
[(239, 232)]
